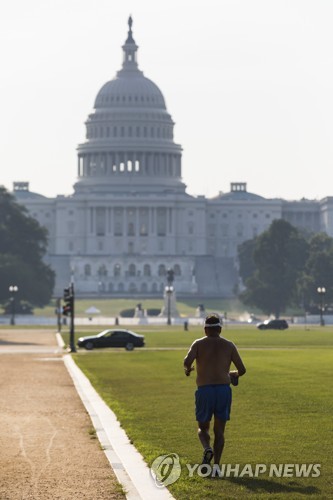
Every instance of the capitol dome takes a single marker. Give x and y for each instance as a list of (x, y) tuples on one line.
[(130, 87), (132, 90), (129, 135)]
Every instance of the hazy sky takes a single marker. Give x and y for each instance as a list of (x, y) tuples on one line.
[(249, 84)]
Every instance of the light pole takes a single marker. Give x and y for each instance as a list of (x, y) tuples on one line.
[(321, 290), (13, 289), (169, 291)]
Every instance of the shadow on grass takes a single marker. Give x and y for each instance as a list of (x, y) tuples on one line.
[(256, 484)]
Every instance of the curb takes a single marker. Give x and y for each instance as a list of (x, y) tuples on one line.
[(128, 464)]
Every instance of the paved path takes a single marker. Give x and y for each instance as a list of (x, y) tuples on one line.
[(48, 449)]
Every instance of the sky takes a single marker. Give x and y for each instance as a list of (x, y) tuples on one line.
[(248, 83)]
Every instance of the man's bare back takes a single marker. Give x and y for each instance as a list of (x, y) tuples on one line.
[(213, 356)]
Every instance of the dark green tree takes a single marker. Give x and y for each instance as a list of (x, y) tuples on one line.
[(318, 272), (23, 244), (245, 259), (279, 256)]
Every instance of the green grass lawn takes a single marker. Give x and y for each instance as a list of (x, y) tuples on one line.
[(282, 409), (243, 336)]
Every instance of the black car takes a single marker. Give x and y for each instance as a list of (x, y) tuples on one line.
[(112, 338), (273, 324)]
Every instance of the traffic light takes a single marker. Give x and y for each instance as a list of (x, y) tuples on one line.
[(67, 309)]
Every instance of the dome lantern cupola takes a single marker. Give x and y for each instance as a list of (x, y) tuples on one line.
[(130, 48)]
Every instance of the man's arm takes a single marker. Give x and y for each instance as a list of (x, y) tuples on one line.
[(237, 361), (189, 358)]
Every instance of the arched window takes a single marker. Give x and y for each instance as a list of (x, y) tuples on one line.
[(154, 288), (121, 287), (146, 270), (116, 270), (161, 270), (87, 270), (110, 287), (132, 288), (102, 270), (144, 287), (131, 270), (177, 270)]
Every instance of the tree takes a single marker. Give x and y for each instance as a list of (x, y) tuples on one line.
[(23, 244), (279, 255), (318, 272), (245, 257)]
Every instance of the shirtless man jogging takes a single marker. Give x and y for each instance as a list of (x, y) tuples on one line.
[(213, 356)]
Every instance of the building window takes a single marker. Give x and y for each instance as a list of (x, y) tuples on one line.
[(100, 221), (131, 270), (143, 230), (177, 270), (161, 270), (146, 270), (131, 229), (161, 222), (102, 271), (87, 270), (118, 229), (116, 270)]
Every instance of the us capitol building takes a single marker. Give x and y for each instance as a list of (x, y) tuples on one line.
[(130, 218)]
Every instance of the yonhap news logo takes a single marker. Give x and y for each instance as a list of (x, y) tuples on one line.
[(166, 470)]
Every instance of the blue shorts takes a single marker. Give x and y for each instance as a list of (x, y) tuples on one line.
[(212, 400)]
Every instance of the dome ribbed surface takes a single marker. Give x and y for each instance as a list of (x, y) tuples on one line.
[(132, 91)]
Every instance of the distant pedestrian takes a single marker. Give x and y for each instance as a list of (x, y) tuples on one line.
[(213, 355)]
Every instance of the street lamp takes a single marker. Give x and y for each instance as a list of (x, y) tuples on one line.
[(170, 274), (13, 289), (169, 291), (321, 290)]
